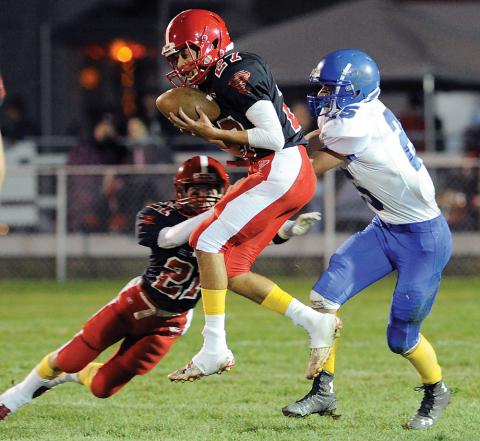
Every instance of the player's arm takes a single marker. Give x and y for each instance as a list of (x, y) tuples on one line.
[(151, 231), (298, 227), (204, 128), (266, 134), (171, 237), (325, 160), (249, 94)]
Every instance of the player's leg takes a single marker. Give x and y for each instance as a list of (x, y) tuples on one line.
[(320, 327), (102, 330), (420, 258), (137, 355), (358, 263), (282, 180)]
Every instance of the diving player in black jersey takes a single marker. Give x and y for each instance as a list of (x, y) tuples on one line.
[(151, 311)]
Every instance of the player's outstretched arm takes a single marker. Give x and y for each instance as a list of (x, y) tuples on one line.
[(298, 227), (326, 160)]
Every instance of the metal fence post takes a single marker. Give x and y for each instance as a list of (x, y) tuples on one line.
[(61, 227), (329, 213)]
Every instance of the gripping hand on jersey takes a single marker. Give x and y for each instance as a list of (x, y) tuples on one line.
[(299, 226)]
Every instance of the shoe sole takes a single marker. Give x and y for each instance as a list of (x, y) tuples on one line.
[(329, 412), (177, 377)]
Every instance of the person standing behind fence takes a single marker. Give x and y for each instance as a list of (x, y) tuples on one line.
[(408, 233), (94, 196)]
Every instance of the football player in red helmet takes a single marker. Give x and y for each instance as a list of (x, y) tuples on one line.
[(152, 310), (200, 183), (195, 40), (254, 118)]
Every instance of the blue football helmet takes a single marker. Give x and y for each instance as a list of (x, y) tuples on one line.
[(351, 77)]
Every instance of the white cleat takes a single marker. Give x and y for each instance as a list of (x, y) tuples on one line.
[(22, 393), (203, 365), (321, 343)]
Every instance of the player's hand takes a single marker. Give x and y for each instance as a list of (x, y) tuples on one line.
[(299, 226), (202, 127), (312, 134)]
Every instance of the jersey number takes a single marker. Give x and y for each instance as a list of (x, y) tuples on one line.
[(406, 144), (171, 282), (368, 197)]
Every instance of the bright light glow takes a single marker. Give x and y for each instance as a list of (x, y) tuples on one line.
[(124, 54)]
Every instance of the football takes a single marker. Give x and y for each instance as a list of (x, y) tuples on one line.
[(188, 99)]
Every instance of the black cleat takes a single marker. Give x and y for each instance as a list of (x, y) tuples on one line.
[(321, 399), (435, 399)]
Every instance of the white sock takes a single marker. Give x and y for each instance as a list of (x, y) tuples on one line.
[(320, 327), (215, 339), (63, 378), (301, 314), (22, 393)]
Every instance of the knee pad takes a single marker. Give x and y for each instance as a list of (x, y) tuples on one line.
[(320, 302), (402, 336)]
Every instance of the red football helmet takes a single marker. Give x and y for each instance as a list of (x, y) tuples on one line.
[(205, 35), (200, 183)]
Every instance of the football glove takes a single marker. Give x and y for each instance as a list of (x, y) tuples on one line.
[(299, 226)]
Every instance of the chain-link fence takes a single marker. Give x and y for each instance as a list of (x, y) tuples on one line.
[(78, 221)]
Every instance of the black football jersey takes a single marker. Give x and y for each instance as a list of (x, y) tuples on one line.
[(238, 81), (171, 278)]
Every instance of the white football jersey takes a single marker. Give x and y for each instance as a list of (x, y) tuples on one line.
[(381, 162)]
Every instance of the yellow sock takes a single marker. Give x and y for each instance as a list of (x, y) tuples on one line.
[(214, 301), (329, 365), (277, 300), (424, 360), (85, 376), (45, 371)]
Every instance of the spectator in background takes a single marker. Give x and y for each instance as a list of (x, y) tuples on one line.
[(413, 122), (14, 122), (157, 127), (95, 206), (144, 147), (471, 137), (460, 198)]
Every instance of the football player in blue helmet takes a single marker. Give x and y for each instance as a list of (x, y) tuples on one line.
[(346, 77), (408, 234)]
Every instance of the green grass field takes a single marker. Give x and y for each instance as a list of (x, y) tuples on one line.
[(374, 386)]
